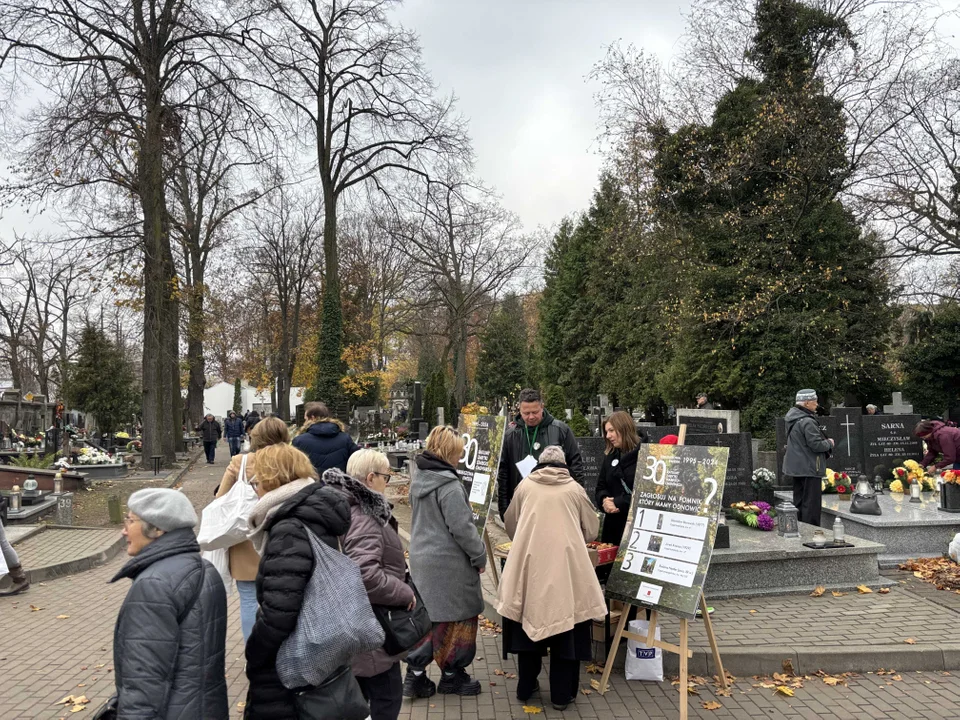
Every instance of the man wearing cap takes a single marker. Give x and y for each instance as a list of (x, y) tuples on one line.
[(703, 402), (169, 640), (805, 459)]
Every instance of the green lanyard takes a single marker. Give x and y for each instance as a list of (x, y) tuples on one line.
[(526, 432)]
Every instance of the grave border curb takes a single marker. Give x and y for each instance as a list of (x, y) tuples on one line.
[(104, 554)]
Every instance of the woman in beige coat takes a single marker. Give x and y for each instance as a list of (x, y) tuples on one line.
[(244, 560), (549, 592)]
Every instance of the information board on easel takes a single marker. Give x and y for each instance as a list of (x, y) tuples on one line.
[(483, 442), (665, 554)]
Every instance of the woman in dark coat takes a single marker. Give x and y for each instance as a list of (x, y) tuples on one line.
[(323, 439), (941, 439), (168, 645), (373, 544), (290, 499), (615, 486)]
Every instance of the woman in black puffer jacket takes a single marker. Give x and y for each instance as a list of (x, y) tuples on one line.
[(290, 499)]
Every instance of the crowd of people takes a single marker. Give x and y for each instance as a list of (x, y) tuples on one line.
[(320, 490)]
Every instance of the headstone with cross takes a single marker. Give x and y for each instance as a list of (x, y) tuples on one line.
[(848, 452), (898, 406)]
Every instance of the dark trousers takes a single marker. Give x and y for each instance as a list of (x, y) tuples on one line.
[(564, 676), (384, 692), (210, 448), (234, 443), (807, 494)]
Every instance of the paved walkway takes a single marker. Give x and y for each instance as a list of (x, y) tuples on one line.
[(45, 656)]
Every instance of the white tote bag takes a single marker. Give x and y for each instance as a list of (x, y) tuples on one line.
[(224, 522), (643, 663), (220, 559)]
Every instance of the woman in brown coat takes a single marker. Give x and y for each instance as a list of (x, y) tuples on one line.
[(373, 544), (244, 560), (549, 592)]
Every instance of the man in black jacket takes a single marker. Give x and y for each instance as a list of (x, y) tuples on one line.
[(210, 432), (532, 431)]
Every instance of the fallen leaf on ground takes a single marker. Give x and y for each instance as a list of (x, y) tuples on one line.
[(242, 704), (863, 590), (34, 608), (499, 672), (595, 684), (818, 591), (781, 678), (82, 700), (584, 691), (692, 690), (767, 685), (712, 705), (753, 612), (66, 701), (104, 665), (81, 684), (897, 677), (532, 709), (833, 681), (837, 593), (78, 708), (883, 591), (787, 666), (784, 690), (493, 684), (910, 641), (62, 617), (594, 668)]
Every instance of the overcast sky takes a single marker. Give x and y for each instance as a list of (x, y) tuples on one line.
[(519, 69)]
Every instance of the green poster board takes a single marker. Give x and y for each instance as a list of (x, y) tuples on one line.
[(665, 553), (483, 438)]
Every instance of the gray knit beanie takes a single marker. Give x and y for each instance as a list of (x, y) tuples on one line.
[(806, 396), (163, 508)]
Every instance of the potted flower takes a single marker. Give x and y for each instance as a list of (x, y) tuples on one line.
[(762, 481), (950, 491)]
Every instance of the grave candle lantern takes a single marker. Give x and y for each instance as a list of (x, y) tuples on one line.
[(15, 503), (58, 483), (878, 485), (787, 523), (914, 491)]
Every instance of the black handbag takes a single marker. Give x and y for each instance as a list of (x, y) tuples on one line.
[(865, 505), (337, 698), (403, 628), (108, 711)]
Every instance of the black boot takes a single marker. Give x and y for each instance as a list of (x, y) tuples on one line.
[(418, 686), (20, 582), (458, 683)]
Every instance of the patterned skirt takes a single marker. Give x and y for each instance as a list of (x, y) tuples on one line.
[(452, 645)]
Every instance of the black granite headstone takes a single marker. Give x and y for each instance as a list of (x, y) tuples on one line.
[(888, 441), (704, 425), (737, 486), (591, 450), (848, 452), (656, 434)]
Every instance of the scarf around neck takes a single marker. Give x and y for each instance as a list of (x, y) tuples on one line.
[(267, 507)]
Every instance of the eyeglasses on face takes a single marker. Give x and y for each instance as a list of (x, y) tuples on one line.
[(386, 476)]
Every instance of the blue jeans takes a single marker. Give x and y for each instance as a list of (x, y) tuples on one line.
[(234, 443), (247, 590)]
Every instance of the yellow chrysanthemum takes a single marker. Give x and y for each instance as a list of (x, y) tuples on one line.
[(912, 465), (896, 486)]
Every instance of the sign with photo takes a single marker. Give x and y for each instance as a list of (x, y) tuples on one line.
[(483, 442), (663, 559)]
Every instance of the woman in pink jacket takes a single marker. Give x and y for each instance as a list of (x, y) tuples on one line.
[(941, 439)]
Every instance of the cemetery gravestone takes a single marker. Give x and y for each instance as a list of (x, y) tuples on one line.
[(737, 486), (64, 510), (591, 450), (659, 432), (888, 441), (848, 452), (702, 421), (898, 406)]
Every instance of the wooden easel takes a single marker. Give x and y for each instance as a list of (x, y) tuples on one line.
[(491, 560), (650, 640)]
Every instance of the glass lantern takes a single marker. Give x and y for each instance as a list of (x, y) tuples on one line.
[(878, 485), (787, 523), (915, 491), (864, 487)]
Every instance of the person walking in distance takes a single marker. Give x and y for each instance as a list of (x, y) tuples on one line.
[(210, 432), (805, 460), (233, 427), (533, 429)]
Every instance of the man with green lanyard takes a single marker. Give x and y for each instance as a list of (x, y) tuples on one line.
[(533, 430)]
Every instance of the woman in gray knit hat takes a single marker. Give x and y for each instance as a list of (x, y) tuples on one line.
[(169, 640)]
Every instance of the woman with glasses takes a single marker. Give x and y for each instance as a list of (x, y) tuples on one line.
[(373, 544), (169, 643), (446, 559), (244, 560)]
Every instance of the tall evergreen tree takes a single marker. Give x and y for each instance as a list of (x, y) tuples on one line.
[(931, 364), (101, 381), (781, 287), (502, 365)]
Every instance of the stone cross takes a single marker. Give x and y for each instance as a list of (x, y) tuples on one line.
[(898, 407), (440, 418), (848, 425)]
